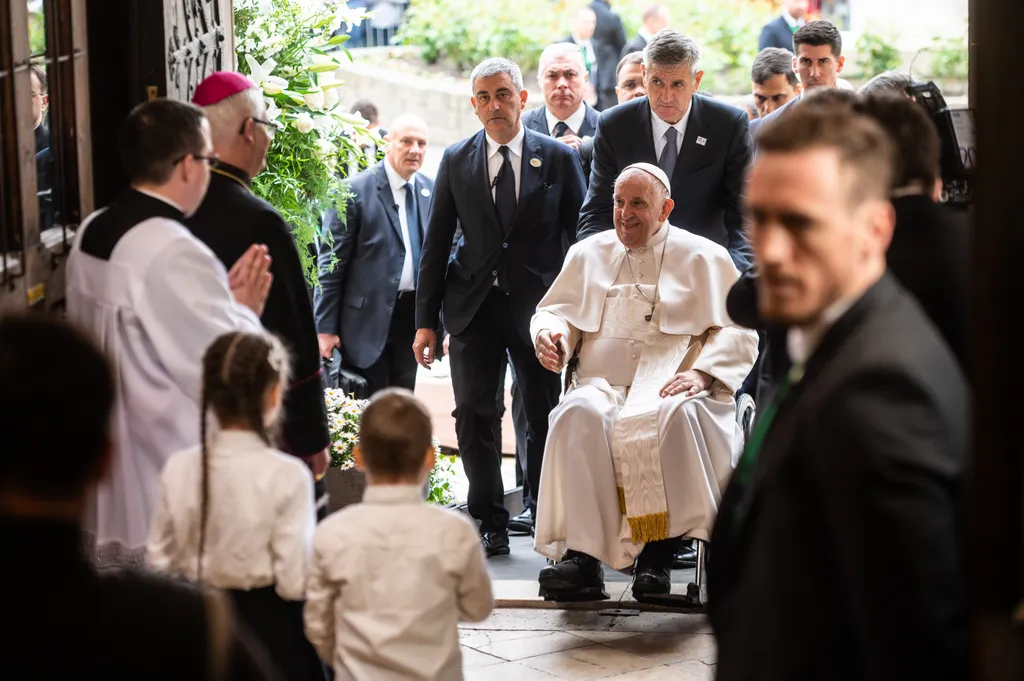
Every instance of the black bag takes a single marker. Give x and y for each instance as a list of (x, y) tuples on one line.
[(338, 378)]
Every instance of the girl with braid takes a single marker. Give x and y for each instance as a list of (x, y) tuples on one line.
[(237, 514)]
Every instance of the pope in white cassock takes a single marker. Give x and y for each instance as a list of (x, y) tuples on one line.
[(154, 297), (642, 445)]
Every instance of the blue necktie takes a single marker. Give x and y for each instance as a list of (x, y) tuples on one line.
[(670, 154), (412, 219), (560, 129)]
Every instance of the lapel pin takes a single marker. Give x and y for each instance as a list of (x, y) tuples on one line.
[(535, 162), (702, 141), (424, 192)]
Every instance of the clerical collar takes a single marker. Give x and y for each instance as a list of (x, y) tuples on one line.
[(574, 121), (801, 342), (232, 172), (394, 179), (160, 197), (515, 146)]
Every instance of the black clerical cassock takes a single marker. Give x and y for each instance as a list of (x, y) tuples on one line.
[(230, 220)]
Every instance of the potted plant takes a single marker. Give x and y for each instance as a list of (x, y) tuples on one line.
[(345, 482)]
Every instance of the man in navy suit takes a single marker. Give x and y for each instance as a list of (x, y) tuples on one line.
[(366, 301), (516, 194), (565, 115), (779, 32), (702, 144)]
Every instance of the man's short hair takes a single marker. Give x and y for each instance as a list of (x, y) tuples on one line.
[(395, 433), (918, 146), (227, 115), (818, 33), (494, 66), (864, 148), (155, 137), (887, 81), (631, 58), (652, 12), (556, 50), (829, 97), (40, 73), (773, 61), (55, 407), (671, 48), (367, 110)]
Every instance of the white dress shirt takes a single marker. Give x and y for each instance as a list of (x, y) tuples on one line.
[(660, 127), (793, 21), (801, 342), (260, 516), (515, 157), (407, 282), (575, 121), (389, 580)]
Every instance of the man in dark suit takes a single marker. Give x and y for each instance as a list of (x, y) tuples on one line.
[(838, 549), (609, 39), (779, 32), (565, 115), (774, 80), (818, 60), (366, 303), (655, 18), (702, 144), (516, 194)]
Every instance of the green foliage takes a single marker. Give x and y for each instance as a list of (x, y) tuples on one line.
[(287, 48), (876, 54), (949, 59), (442, 475), (465, 32), (37, 32)]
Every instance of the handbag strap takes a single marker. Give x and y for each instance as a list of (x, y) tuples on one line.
[(218, 633)]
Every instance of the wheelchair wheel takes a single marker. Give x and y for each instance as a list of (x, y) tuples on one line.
[(745, 412)]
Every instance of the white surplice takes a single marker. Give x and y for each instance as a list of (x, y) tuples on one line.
[(695, 439), (153, 307)]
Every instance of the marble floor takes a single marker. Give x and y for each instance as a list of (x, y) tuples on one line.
[(529, 645)]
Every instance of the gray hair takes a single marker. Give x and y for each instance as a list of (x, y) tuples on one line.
[(494, 66), (552, 52), (227, 115), (889, 81), (671, 48)]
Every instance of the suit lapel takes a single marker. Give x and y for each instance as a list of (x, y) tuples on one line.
[(690, 153), (424, 204), (481, 181), (387, 198), (529, 176), (542, 119), (589, 127), (644, 131)]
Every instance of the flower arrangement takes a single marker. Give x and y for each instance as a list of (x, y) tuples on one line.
[(343, 415), (289, 48)]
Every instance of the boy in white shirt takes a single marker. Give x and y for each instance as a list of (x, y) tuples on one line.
[(390, 578)]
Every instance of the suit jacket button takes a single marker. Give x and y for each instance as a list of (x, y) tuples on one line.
[(504, 245), (494, 273)]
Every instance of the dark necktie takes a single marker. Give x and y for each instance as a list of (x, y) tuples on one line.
[(505, 190), (670, 154), (412, 219), (561, 129)]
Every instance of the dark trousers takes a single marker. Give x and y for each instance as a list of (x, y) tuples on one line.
[(478, 367), (396, 366)]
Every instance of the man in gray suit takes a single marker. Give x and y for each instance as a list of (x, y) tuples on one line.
[(366, 301)]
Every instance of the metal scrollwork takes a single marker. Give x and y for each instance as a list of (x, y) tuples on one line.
[(195, 33)]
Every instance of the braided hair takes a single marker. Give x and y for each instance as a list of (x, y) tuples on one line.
[(239, 368)]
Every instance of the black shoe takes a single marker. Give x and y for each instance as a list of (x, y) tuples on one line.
[(686, 557), (651, 581), (577, 577), (495, 544), (522, 523)]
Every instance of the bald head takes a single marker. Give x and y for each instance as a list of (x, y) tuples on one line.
[(642, 204), (407, 144)]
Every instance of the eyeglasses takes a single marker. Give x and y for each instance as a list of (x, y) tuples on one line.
[(210, 160), (270, 125)]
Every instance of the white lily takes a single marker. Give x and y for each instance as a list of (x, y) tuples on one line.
[(304, 123), (260, 74), (331, 99), (315, 100)]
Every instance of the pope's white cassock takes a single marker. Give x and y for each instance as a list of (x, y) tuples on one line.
[(154, 297), (622, 465)]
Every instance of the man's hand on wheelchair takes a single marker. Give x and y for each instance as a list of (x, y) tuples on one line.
[(549, 350)]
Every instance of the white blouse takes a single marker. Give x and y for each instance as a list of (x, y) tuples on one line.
[(389, 580), (260, 516)]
